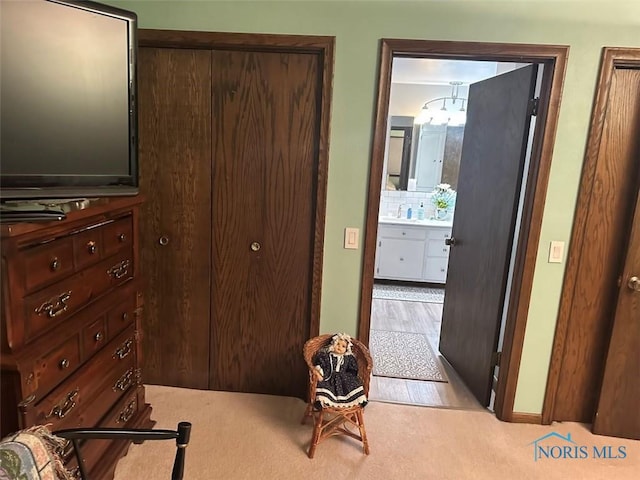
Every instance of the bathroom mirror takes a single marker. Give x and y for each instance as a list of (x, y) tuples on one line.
[(430, 154), (399, 156)]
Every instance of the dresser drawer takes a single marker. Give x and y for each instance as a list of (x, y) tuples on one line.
[(65, 406), (88, 247), (48, 308), (126, 408), (51, 306), (47, 263), (56, 365), (122, 315), (117, 235), (94, 337)]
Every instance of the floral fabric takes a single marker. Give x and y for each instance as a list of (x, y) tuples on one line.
[(32, 455)]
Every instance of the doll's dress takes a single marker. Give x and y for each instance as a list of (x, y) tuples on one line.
[(341, 387)]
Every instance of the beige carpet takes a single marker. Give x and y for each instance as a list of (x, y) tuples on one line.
[(404, 355), (246, 436)]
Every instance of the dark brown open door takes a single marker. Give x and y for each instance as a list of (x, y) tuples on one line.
[(491, 169)]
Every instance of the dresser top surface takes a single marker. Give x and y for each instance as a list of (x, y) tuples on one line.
[(75, 211)]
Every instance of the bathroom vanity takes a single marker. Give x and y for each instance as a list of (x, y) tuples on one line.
[(412, 250)]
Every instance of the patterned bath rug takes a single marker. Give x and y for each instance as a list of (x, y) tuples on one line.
[(404, 355), (408, 293)]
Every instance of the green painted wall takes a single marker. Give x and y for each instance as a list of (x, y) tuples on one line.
[(586, 26)]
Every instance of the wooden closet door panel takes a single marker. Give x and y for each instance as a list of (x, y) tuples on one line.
[(602, 255), (265, 147), (175, 176)]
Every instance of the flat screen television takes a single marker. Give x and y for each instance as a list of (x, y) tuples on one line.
[(68, 126)]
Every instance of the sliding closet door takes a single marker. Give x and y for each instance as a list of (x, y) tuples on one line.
[(175, 176), (265, 148)]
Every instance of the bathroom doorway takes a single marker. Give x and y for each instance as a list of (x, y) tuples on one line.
[(515, 287)]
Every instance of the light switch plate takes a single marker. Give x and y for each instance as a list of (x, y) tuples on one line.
[(556, 251), (351, 238)]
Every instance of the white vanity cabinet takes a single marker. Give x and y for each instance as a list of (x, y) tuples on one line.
[(412, 252), (437, 255), (400, 252)]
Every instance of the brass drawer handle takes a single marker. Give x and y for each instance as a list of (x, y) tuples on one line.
[(255, 246), (119, 270), (98, 337), (91, 247), (124, 350), (55, 305), (125, 316), (62, 409), (125, 381), (55, 264), (122, 237), (64, 363), (127, 413), (163, 240)]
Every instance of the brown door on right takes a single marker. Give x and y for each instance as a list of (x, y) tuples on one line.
[(618, 410)]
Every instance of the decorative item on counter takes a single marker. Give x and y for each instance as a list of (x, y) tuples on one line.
[(421, 211), (443, 198), (409, 212)]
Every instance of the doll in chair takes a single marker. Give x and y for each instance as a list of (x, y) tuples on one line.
[(337, 371)]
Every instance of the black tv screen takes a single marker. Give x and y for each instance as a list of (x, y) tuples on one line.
[(68, 114)]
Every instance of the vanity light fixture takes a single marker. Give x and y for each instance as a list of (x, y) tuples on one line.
[(452, 112)]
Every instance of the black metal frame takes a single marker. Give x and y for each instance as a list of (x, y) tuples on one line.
[(181, 434)]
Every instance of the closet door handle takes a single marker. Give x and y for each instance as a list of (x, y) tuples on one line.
[(634, 284), (255, 246), (163, 240), (450, 241)]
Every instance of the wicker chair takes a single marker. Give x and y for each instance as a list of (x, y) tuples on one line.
[(336, 421)]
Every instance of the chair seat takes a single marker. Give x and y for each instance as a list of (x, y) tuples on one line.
[(330, 421)]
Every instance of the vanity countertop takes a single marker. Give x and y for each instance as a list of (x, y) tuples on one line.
[(427, 222)]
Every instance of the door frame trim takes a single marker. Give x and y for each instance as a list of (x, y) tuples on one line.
[(611, 58), (554, 59), (324, 47)]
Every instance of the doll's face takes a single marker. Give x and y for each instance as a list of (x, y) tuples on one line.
[(340, 347)]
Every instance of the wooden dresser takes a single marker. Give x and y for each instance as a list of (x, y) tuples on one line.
[(71, 325)]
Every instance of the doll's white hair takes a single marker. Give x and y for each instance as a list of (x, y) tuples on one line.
[(341, 336)]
